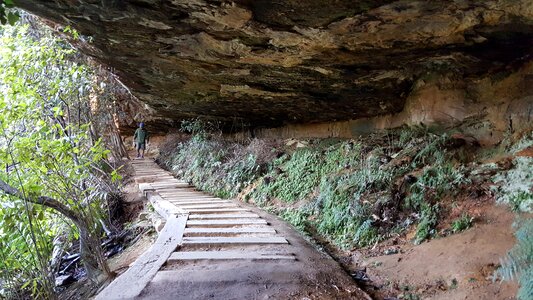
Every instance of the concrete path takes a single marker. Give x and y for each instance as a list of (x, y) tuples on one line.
[(212, 248)]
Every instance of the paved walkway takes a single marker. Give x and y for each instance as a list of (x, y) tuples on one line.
[(212, 248)]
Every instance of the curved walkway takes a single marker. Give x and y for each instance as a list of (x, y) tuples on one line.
[(212, 248)]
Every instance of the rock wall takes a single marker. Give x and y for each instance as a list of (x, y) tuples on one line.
[(272, 63), (487, 108)]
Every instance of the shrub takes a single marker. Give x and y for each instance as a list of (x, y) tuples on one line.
[(427, 223), (516, 185), (342, 213), (435, 182), (298, 217), (345, 189), (462, 223), (519, 261), (295, 176), (214, 165)]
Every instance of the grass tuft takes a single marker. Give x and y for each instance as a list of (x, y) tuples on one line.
[(462, 223)]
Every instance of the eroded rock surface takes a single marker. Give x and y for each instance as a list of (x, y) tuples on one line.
[(268, 63)]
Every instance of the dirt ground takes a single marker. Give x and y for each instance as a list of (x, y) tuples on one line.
[(459, 266)]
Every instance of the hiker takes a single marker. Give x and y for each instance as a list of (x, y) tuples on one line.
[(140, 138)]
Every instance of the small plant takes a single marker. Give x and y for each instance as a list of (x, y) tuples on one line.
[(516, 185), (428, 221), (519, 261), (408, 293), (296, 216), (199, 127), (366, 234), (454, 284), (409, 296), (212, 164), (462, 223), (521, 201)]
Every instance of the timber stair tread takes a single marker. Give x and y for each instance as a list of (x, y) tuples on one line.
[(229, 255), (234, 240)]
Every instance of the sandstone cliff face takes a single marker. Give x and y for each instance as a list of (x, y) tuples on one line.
[(270, 63), (488, 109)]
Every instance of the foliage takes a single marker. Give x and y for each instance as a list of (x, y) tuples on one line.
[(519, 261), (217, 166), (46, 144), (293, 177), (515, 188), (525, 141), (462, 223), (7, 14), (516, 185), (342, 213), (298, 217), (427, 223), (435, 182), (300, 174), (199, 127), (344, 190)]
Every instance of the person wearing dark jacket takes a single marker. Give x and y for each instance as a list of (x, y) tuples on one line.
[(140, 139)]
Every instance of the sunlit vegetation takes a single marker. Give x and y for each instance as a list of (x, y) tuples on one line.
[(54, 176)]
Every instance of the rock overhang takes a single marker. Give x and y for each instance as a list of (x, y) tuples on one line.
[(269, 63)]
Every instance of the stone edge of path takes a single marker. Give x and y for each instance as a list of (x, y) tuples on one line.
[(148, 264)]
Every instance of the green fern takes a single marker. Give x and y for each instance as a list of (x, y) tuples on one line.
[(518, 263)]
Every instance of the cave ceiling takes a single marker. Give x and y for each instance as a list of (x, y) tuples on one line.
[(270, 63)]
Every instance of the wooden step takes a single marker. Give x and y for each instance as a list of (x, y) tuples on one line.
[(185, 195), (233, 240), (216, 210), (156, 176), (162, 181), (163, 185), (192, 197), (222, 216), (226, 222), (190, 189), (247, 229), (220, 205), (160, 177), (196, 201), (153, 173), (228, 255)]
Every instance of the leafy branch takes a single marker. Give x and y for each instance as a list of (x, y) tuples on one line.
[(41, 200), (7, 14)]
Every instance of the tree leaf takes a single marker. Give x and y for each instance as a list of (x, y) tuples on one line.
[(13, 17), (9, 3)]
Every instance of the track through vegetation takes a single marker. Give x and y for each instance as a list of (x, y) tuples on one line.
[(223, 249), (370, 195)]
